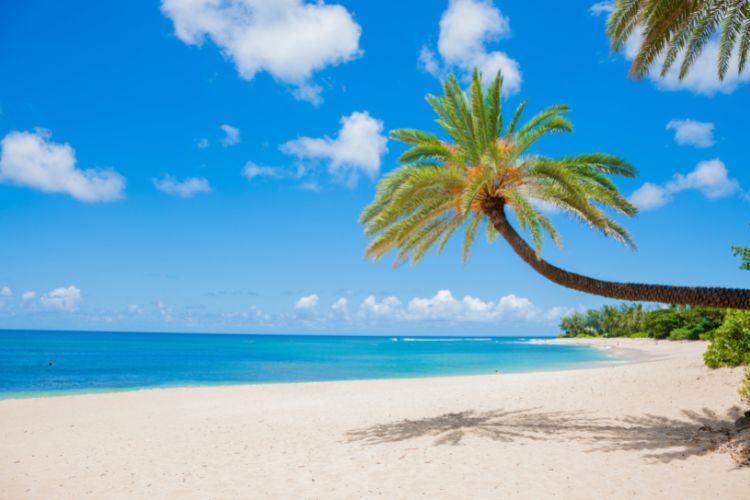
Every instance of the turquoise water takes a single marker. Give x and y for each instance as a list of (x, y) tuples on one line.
[(36, 363)]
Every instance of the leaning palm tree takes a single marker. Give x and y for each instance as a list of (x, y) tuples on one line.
[(681, 28), (487, 172)]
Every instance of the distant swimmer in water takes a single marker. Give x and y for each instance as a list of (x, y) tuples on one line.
[(51, 363)]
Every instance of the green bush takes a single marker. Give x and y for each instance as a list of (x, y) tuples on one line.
[(661, 322), (730, 345), (638, 335), (684, 333), (745, 388)]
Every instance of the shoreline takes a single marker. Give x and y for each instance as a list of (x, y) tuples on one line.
[(623, 355), (650, 429), (629, 349)]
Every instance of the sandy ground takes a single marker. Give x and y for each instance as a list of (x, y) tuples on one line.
[(632, 430)]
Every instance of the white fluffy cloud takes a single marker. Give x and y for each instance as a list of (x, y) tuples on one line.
[(307, 303), (444, 306), (357, 148), (465, 29), (702, 78), (650, 196), (30, 159), (251, 171), (62, 299), (165, 311), (692, 133), (184, 189), (28, 295), (231, 135), (290, 39), (602, 8), (710, 178), (6, 292), (341, 307), (389, 306)]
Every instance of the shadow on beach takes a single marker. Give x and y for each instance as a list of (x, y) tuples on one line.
[(666, 439)]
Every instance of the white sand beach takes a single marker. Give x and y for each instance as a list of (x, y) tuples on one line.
[(647, 429)]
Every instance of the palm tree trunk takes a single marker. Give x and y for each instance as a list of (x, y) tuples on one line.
[(735, 298)]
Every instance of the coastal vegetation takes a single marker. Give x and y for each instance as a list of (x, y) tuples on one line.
[(670, 30), (486, 172), (730, 343), (635, 320), (728, 331), (745, 388), (744, 254)]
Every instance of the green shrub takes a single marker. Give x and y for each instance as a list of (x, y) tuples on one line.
[(684, 333), (660, 322), (638, 335), (730, 345), (683, 323), (745, 387)]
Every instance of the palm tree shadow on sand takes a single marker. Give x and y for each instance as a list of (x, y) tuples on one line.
[(666, 439)]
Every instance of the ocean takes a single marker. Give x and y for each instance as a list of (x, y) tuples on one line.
[(35, 363)]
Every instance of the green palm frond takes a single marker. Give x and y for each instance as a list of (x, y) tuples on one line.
[(443, 186), (681, 28)]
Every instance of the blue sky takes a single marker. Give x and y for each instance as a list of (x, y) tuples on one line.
[(177, 166)]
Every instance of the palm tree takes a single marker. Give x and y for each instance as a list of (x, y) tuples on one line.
[(488, 171), (681, 28)]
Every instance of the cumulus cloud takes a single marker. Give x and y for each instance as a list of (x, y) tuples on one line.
[(370, 307), (600, 8), (28, 295), (231, 135), (710, 178), (289, 39), (62, 299), (357, 148), (341, 307), (6, 292), (557, 312), (311, 186), (32, 160), (307, 303), (650, 196), (184, 189), (692, 133), (702, 77), (445, 306), (466, 27), (166, 312), (202, 143), (520, 307), (251, 171)]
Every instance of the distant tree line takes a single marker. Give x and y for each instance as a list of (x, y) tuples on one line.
[(727, 330), (635, 320)]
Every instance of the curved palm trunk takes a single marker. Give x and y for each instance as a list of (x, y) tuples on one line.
[(735, 298)]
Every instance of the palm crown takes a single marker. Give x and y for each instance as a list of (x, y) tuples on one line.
[(445, 186)]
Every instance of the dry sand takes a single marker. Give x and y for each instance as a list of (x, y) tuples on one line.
[(626, 431)]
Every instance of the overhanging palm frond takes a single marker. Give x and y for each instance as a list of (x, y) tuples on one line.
[(672, 29)]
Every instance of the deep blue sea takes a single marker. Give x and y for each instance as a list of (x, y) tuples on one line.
[(41, 363)]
